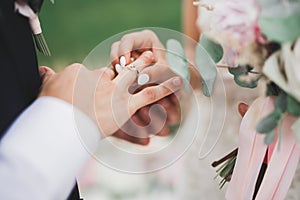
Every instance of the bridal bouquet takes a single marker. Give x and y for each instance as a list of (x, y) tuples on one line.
[(259, 42)]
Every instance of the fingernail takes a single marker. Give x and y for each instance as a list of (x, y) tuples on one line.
[(177, 81), (123, 61), (118, 68), (143, 79), (42, 71), (148, 54)]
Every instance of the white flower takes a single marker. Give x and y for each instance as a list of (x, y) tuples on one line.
[(283, 68)]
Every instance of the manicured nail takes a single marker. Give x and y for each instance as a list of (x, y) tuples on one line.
[(123, 61), (143, 79), (118, 68), (177, 81)]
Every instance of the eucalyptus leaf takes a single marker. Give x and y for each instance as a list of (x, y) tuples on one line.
[(207, 69), (296, 130), (240, 70), (215, 50), (278, 8), (284, 28), (269, 123), (269, 138), (176, 59), (266, 3), (293, 107), (243, 70), (281, 102), (251, 84)]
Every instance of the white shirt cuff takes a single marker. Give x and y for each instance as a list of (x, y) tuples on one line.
[(51, 139)]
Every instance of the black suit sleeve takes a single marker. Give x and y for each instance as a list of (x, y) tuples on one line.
[(19, 78)]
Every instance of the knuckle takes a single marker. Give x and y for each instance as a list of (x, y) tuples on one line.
[(165, 90), (115, 44), (114, 51), (74, 66), (125, 38), (98, 72), (148, 32), (150, 94), (108, 73)]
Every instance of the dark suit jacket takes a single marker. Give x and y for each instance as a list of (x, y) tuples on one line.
[(19, 78)]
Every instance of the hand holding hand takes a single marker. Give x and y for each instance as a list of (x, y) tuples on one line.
[(104, 97)]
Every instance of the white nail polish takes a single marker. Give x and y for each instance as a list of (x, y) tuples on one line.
[(143, 79), (118, 68), (123, 61)]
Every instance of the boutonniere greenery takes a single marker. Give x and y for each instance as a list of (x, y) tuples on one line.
[(31, 9)]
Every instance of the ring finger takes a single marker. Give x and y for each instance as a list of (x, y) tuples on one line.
[(129, 75)]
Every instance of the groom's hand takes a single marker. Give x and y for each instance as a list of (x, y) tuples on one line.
[(102, 96), (141, 133), (141, 116)]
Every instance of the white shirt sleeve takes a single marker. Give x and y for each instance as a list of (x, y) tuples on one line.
[(44, 150)]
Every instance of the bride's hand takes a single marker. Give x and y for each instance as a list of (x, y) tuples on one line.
[(104, 97), (132, 45)]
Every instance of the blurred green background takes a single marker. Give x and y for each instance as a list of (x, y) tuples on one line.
[(74, 27)]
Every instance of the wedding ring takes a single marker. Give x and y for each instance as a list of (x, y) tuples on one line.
[(131, 67)]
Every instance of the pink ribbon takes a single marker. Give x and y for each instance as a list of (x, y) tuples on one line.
[(282, 166), (252, 150)]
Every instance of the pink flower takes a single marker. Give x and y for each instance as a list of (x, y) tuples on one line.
[(237, 18), (232, 22)]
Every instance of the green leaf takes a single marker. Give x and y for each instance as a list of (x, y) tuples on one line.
[(207, 69), (269, 138), (240, 70), (296, 130), (176, 59), (252, 84), (281, 102), (214, 50), (243, 70), (293, 106), (269, 123), (280, 21), (272, 89)]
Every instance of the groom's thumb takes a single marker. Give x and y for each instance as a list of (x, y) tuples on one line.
[(45, 72)]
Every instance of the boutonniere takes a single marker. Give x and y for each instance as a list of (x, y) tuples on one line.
[(30, 9)]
